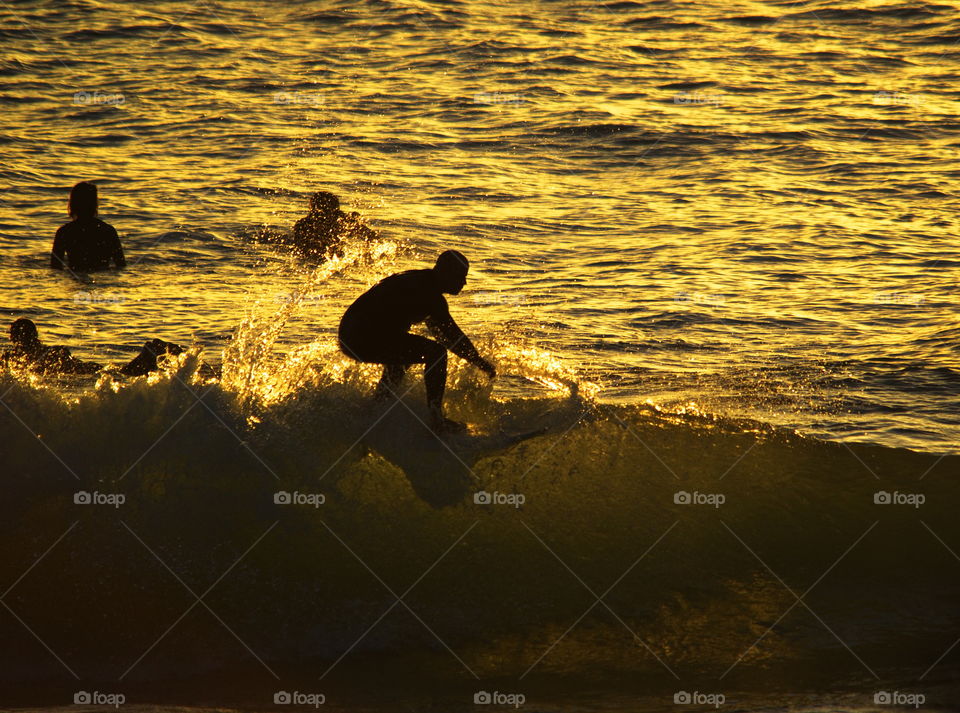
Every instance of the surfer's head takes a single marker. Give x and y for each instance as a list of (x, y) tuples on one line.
[(324, 202), (23, 333), (451, 270), (83, 200)]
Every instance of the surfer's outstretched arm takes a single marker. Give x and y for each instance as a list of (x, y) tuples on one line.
[(449, 334)]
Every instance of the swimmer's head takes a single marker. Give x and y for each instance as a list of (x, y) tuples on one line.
[(83, 200), (23, 332), (158, 347), (452, 268), (324, 202), (155, 349)]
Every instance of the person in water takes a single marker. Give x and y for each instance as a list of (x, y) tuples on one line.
[(27, 350), (323, 231), (376, 329), (146, 360), (153, 351), (86, 243)]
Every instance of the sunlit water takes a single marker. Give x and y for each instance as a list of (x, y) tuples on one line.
[(740, 209), (748, 206)]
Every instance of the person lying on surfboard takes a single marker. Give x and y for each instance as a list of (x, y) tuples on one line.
[(376, 329), (28, 351)]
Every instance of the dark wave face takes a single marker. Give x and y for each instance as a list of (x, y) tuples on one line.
[(720, 551)]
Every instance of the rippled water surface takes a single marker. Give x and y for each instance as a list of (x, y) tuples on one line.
[(748, 206)]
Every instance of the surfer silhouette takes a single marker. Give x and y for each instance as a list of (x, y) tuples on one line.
[(86, 243), (27, 350), (323, 231), (376, 329)]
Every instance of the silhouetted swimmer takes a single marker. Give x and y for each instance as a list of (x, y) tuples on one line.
[(86, 243), (323, 231), (376, 329), (146, 360), (153, 351), (27, 350)]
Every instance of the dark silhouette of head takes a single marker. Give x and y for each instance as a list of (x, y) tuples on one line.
[(23, 333), (324, 202), (83, 200), (158, 347), (148, 358), (451, 270)]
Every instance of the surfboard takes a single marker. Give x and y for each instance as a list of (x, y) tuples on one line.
[(489, 443)]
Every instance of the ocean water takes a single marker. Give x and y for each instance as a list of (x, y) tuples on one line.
[(714, 258)]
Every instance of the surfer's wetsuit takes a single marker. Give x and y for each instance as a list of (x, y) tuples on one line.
[(375, 329), (89, 244)]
